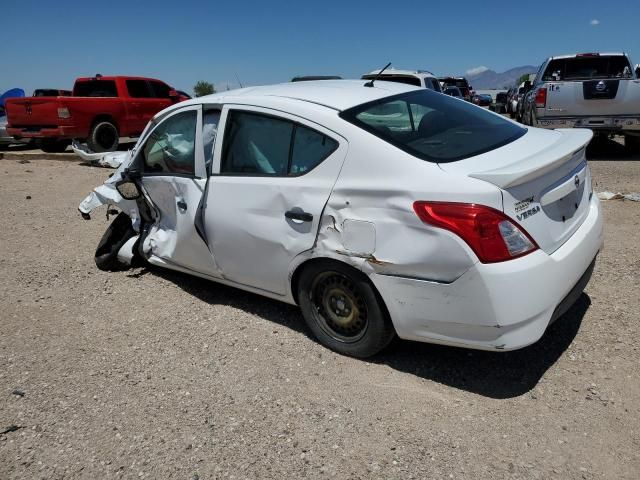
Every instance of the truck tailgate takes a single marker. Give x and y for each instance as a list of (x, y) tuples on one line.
[(32, 111), (607, 97)]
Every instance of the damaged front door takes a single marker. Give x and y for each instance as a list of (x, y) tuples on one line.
[(271, 181), (173, 168)]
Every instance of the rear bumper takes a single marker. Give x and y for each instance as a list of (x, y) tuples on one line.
[(503, 306), (67, 131), (6, 139), (610, 123)]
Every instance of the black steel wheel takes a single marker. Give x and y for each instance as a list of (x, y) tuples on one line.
[(343, 310)]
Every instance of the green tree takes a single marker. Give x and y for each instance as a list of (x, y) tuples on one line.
[(523, 78), (203, 88)]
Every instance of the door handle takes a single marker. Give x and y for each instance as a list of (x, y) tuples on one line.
[(299, 215), (182, 205)]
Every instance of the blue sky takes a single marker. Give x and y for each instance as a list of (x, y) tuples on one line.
[(49, 44)]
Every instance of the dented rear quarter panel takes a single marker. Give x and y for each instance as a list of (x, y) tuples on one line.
[(369, 221)]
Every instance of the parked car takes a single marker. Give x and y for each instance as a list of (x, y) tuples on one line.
[(482, 99), (599, 91), (418, 78), (51, 92), (364, 207), (514, 96), (461, 83), (500, 104), (453, 92), (101, 110)]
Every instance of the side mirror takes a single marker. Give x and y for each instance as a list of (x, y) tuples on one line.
[(128, 190), (173, 93)]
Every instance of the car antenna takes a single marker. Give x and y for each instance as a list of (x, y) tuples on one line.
[(370, 82), (238, 79)]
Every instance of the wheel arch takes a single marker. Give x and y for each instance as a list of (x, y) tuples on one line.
[(297, 271)]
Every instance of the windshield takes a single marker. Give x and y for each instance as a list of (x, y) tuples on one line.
[(434, 127), (588, 67)]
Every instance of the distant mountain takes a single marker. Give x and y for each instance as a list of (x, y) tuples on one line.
[(489, 79)]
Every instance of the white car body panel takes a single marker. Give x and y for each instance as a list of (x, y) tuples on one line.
[(431, 281)]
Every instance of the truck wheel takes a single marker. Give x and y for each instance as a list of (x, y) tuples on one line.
[(343, 310), (104, 137), (632, 143), (53, 145)]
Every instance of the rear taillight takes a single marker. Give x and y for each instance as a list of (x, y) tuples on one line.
[(492, 235), (63, 112), (541, 97)]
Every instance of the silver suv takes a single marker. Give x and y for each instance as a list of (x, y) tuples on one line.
[(418, 78)]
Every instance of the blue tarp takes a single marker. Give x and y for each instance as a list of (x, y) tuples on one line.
[(13, 93)]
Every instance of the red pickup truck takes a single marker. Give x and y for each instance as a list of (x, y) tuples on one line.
[(100, 111)]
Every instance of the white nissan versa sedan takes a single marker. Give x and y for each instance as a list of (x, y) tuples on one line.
[(380, 210)]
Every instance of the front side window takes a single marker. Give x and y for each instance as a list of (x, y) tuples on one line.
[(170, 148), (258, 145), (434, 127), (138, 89)]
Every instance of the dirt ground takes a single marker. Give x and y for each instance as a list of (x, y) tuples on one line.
[(154, 374)]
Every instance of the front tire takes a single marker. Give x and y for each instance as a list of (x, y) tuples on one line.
[(343, 310), (104, 137), (116, 235)]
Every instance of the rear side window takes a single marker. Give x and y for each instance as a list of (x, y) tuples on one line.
[(309, 149), (434, 127), (138, 89), (258, 145), (95, 88), (579, 68), (432, 84), (159, 89)]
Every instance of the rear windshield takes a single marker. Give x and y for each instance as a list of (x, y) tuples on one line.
[(434, 127), (409, 80), (95, 88), (456, 82), (579, 68)]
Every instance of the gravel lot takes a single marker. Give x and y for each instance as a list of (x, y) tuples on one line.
[(153, 374)]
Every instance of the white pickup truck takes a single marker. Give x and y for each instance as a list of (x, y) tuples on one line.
[(599, 91)]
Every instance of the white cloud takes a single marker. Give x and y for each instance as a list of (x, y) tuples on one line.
[(595, 22), (476, 71)]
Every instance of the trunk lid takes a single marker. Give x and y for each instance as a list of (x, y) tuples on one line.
[(32, 111), (544, 180)]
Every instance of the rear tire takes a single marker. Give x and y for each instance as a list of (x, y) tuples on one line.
[(116, 235), (343, 310), (104, 137), (54, 145), (632, 143)]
